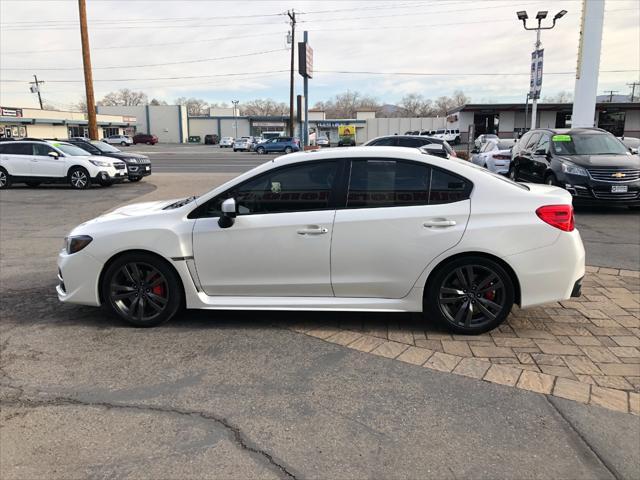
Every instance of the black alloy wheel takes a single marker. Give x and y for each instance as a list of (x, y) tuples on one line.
[(142, 290), (5, 179), (470, 295), (79, 178)]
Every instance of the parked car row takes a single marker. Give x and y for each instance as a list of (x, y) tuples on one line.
[(590, 163), (451, 135), (80, 163), (126, 140)]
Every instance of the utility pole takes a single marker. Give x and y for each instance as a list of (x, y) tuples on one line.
[(35, 88), (88, 76), (633, 89), (292, 17), (611, 93)]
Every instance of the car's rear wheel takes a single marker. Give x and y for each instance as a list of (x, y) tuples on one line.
[(513, 173), (124, 144), (79, 178), (469, 295), (5, 179), (260, 150), (141, 289), (288, 150)]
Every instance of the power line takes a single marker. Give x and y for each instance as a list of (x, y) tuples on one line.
[(153, 78), (181, 62)]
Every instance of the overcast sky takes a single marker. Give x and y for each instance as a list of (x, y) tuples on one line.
[(460, 39)]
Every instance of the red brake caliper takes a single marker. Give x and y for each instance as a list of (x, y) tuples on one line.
[(158, 289)]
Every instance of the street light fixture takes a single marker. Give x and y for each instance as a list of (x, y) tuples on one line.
[(541, 15), (235, 116)]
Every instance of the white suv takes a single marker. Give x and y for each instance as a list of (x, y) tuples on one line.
[(36, 162), (450, 135), (118, 140)]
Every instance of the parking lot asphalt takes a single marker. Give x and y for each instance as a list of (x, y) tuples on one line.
[(612, 235), (241, 395)]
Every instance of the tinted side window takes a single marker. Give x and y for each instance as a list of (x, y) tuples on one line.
[(447, 187), (297, 188), (41, 149), (532, 141), (411, 142), (543, 143), (385, 142), (387, 183), (523, 141), (18, 149)]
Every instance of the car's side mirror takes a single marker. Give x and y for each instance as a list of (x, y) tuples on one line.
[(53, 154), (229, 212), (634, 150)]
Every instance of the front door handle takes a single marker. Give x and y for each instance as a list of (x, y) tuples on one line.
[(314, 230), (439, 223)]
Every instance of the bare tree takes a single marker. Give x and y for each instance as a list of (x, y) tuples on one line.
[(346, 104), (459, 98), (155, 101), (267, 106), (195, 106), (124, 97), (81, 105), (415, 105), (560, 97)]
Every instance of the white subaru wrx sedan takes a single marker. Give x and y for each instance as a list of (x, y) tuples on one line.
[(359, 229)]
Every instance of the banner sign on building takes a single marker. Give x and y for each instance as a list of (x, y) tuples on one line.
[(535, 83), (346, 130), (11, 112), (305, 60)]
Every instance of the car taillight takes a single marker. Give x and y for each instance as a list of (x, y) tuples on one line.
[(502, 157), (559, 216)]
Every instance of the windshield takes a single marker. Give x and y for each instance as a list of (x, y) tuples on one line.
[(104, 147), (588, 144), (72, 150)]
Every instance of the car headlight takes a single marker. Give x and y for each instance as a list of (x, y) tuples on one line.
[(100, 163), (572, 169), (76, 243)]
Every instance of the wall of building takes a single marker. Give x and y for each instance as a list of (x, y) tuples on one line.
[(228, 129), (632, 123), (165, 121), (138, 111), (201, 126)]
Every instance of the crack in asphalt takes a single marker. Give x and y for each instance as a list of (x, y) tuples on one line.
[(238, 437), (610, 468)]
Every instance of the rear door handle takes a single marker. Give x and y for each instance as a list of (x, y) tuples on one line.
[(439, 223), (313, 231)]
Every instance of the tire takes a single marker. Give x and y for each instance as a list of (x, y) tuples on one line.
[(124, 144), (142, 289), (33, 184), (459, 297), (135, 179), (147, 143), (235, 150), (260, 151), (513, 173), (288, 150), (550, 179), (5, 179), (79, 178)]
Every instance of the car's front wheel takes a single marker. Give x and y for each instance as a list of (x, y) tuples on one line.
[(288, 150), (260, 150), (79, 178), (124, 144), (469, 295), (141, 289), (513, 173), (551, 179), (5, 179)]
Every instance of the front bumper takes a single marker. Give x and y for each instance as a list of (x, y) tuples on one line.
[(139, 170), (110, 175), (78, 276), (588, 191)]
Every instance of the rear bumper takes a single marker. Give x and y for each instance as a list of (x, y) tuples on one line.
[(551, 273)]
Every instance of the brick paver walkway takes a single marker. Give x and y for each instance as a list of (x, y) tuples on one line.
[(586, 349)]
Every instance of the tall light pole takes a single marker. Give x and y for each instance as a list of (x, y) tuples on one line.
[(536, 67), (235, 116)]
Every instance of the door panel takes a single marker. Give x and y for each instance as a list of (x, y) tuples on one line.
[(525, 164), (381, 252), (281, 254), (17, 157), (42, 165)]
